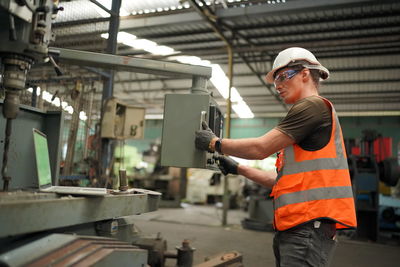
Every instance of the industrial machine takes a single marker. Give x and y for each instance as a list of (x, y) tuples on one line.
[(122, 121), (25, 36), (259, 206), (370, 163), (183, 115)]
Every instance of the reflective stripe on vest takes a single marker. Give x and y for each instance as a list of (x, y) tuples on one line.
[(310, 184), (338, 163), (313, 194)]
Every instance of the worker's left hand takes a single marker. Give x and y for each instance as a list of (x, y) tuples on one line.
[(227, 164), (204, 137)]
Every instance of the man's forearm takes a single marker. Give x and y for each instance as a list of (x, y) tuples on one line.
[(264, 178), (248, 148), (254, 148)]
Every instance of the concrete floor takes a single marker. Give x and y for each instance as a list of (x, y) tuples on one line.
[(202, 226)]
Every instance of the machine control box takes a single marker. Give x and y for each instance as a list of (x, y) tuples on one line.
[(183, 114), (122, 121)]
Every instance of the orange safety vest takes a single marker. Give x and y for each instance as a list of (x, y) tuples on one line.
[(314, 184)]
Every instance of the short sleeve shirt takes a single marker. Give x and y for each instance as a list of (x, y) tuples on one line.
[(309, 123)]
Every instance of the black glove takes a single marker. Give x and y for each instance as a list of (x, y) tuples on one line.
[(204, 137), (227, 165)]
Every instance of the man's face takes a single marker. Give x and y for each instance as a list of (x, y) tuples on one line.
[(288, 84)]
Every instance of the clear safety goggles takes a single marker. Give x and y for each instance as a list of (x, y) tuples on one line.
[(284, 76)]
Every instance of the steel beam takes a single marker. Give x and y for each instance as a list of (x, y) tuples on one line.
[(24, 212), (247, 11), (292, 7), (122, 63)]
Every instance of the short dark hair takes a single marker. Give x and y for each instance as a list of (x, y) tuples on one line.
[(315, 75)]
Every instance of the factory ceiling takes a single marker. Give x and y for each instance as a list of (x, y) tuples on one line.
[(357, 40)]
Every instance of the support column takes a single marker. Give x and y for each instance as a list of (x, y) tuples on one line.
[(107, 147)]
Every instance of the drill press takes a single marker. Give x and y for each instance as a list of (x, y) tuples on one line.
[(25, 35)]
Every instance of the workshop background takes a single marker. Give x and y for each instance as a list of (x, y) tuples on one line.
[(120, 92)]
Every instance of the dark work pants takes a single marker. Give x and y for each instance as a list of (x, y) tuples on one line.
[(311, 244)]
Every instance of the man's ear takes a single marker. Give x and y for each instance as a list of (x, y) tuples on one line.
[(306, 74)]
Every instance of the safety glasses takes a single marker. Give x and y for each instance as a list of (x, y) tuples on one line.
[(284, 76)]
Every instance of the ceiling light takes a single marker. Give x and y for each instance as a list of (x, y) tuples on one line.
[(82, 116), (218, 78), (163, 50), (142, 44), (221, 82), (46, 96), (69, 109), (123, 12), (242, 110), (153, 116)]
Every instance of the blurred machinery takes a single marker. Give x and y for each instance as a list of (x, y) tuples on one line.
[(259, 207), (121, 121), (372, 168)]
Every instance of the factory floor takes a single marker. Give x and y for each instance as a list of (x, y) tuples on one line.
[(201, 225)]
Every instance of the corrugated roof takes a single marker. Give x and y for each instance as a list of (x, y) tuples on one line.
[(358, 40)]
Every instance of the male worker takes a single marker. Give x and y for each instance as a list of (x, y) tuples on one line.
[(311, 187)]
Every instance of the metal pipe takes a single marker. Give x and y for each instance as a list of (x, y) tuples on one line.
[(225, 206), (229, 49), (73, 130), (6, 178), (199, 85), (107, 148), (185, 254), (88, 122), (34, 96)]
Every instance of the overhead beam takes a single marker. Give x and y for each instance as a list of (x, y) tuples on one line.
[(315, 43), (293, 7), (121, 63), (248, 11)]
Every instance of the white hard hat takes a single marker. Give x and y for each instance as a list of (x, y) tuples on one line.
[(293, 54)]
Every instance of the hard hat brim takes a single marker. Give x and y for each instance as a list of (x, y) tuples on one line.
[(270, 75)]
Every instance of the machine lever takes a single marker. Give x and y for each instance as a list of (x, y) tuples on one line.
[(202, 118), (13, 33), (56, 67)]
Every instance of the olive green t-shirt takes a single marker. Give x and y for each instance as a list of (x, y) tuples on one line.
[(309, 123)]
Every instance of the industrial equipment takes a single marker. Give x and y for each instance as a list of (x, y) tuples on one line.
[(183, 114), (259, 206), (122, 121), (368, 166), (36, 227), (25, 36)]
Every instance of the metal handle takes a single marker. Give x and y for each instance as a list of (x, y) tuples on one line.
[(202, 118)]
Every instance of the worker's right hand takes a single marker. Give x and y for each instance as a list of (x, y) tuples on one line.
[(227, 165), (204, 137)]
